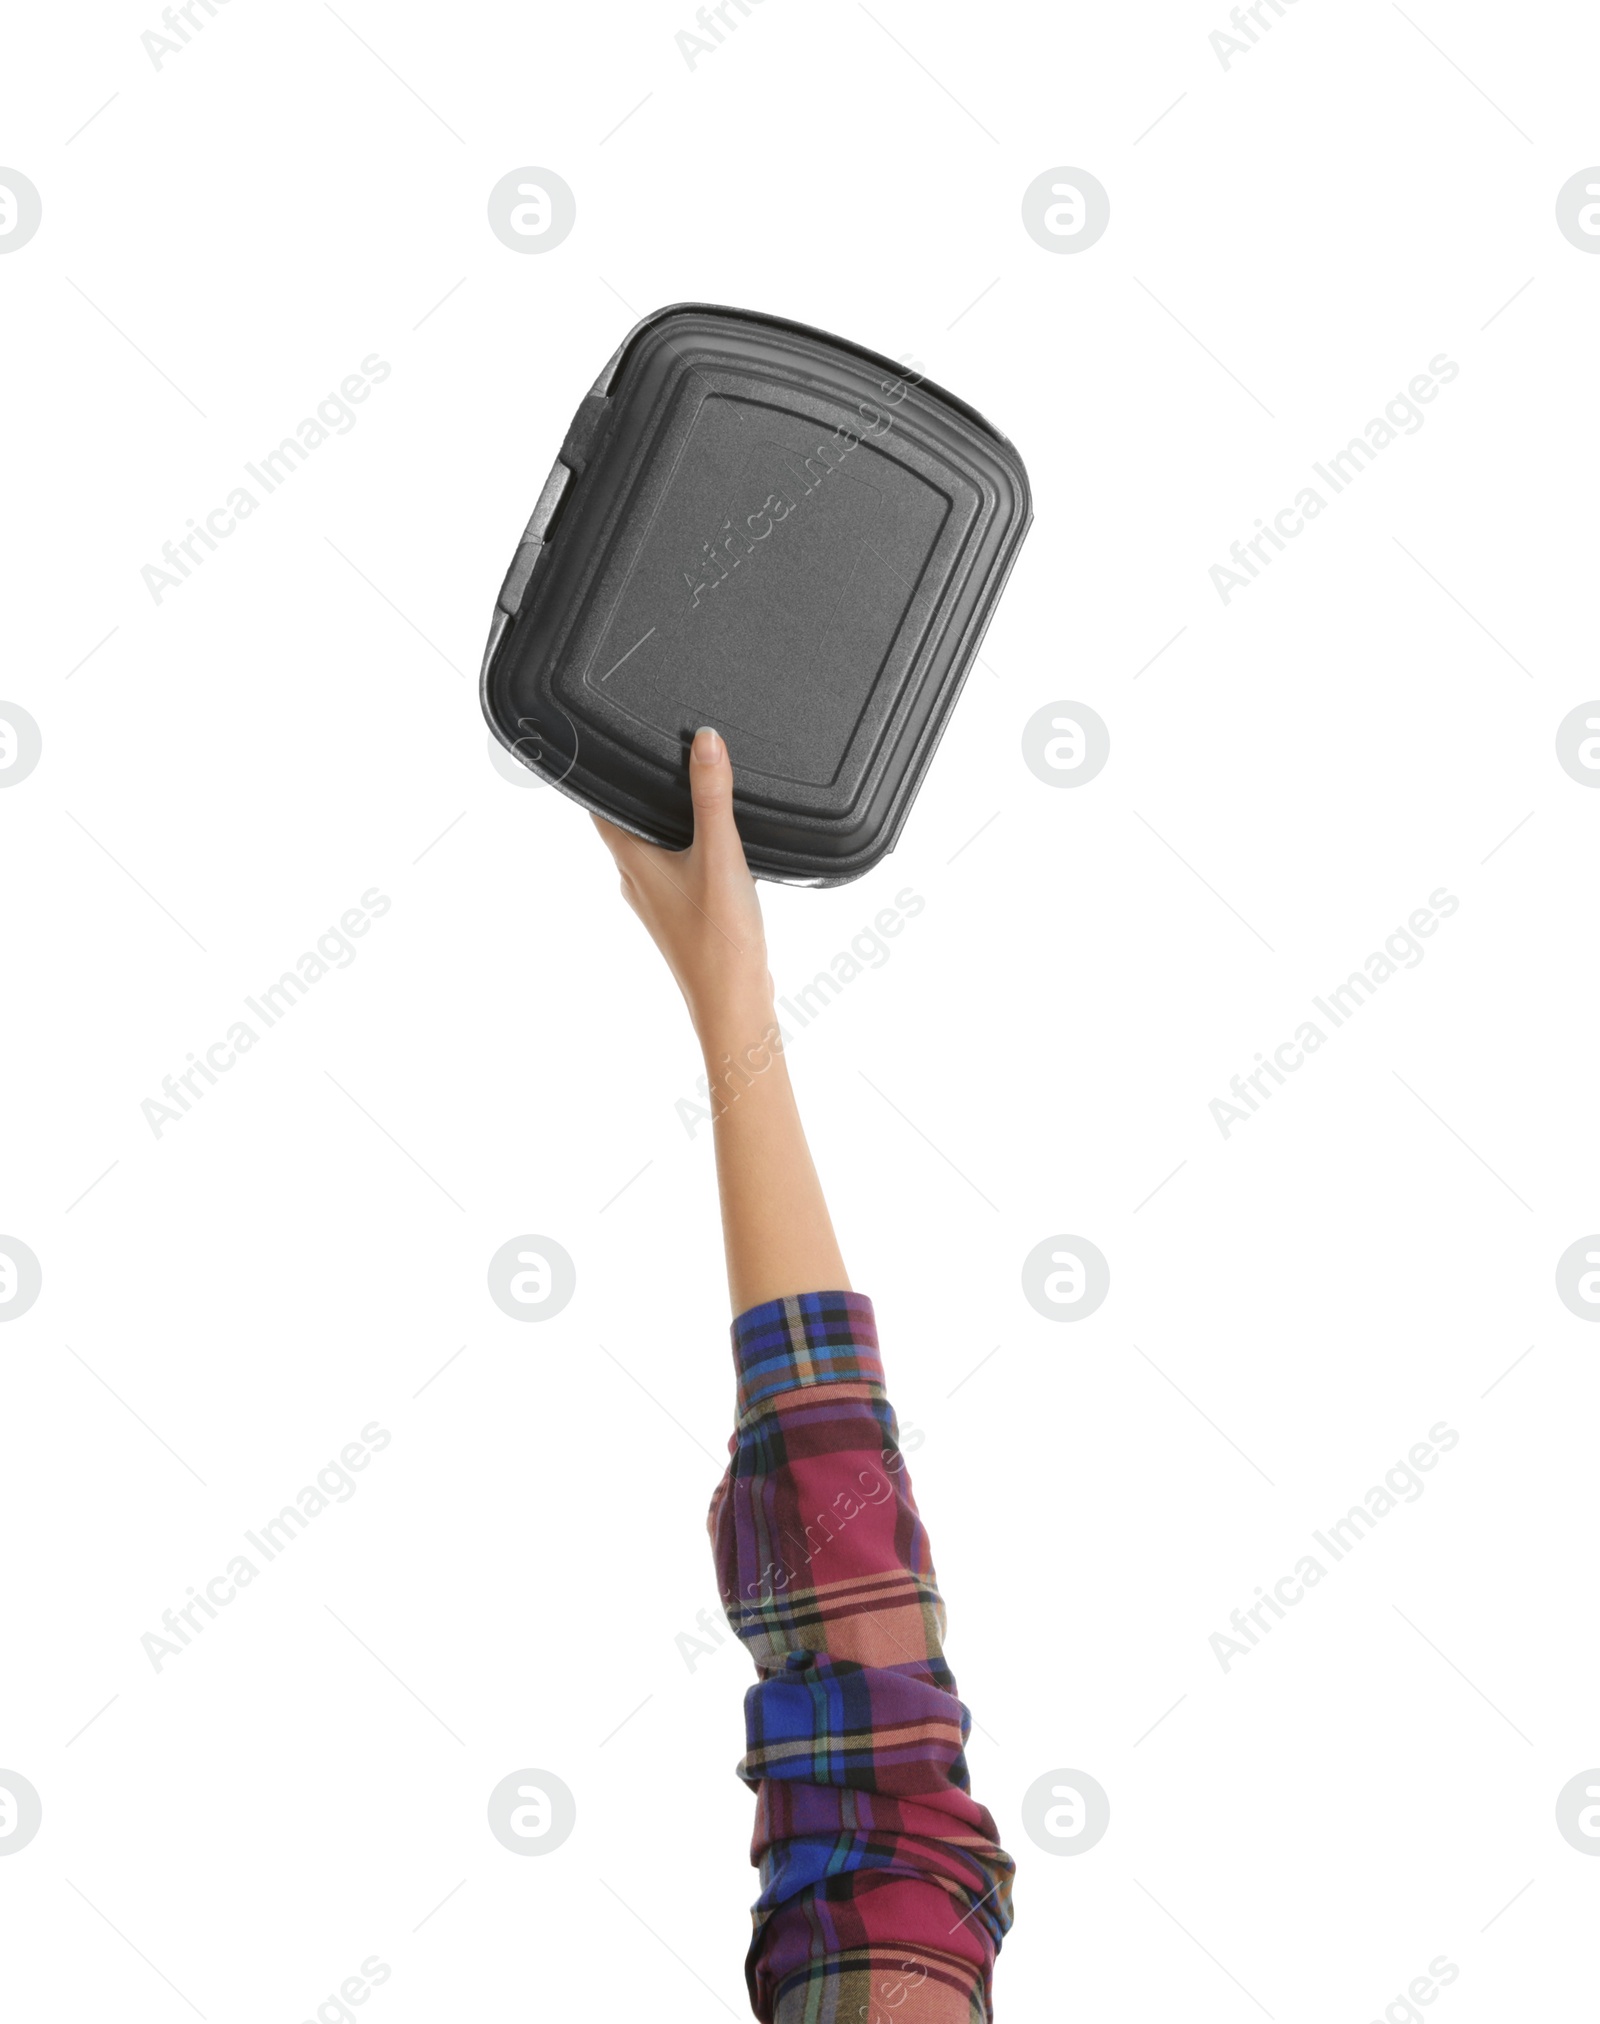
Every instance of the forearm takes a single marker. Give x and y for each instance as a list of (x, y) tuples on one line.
[(777, 1234), (701, 910)]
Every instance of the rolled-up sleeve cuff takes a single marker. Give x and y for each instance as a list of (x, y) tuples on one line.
[(804, 1339)]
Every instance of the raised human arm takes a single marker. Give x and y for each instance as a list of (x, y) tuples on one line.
[(884, 1891)]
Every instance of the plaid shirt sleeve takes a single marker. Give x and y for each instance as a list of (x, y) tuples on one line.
[(884, 1892)]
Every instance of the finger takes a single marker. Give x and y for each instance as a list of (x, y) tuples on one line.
[(711, 791)]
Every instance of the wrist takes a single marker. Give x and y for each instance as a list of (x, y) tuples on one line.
[(733, 1016), (740, 1044)]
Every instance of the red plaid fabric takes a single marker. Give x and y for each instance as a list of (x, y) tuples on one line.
[(884, 1892)]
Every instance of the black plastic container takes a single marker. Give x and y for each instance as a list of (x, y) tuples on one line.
[(756, 526)]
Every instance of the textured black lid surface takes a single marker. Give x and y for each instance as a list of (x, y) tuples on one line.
[(759, 527)]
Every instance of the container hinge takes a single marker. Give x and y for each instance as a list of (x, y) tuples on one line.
[(586, 424), (533, 542)]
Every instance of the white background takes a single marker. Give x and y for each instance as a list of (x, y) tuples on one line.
[(230, 769)]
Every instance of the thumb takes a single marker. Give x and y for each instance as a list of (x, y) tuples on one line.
[(711, 791)]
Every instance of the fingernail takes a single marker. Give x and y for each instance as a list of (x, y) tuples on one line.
[(707, 745)]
